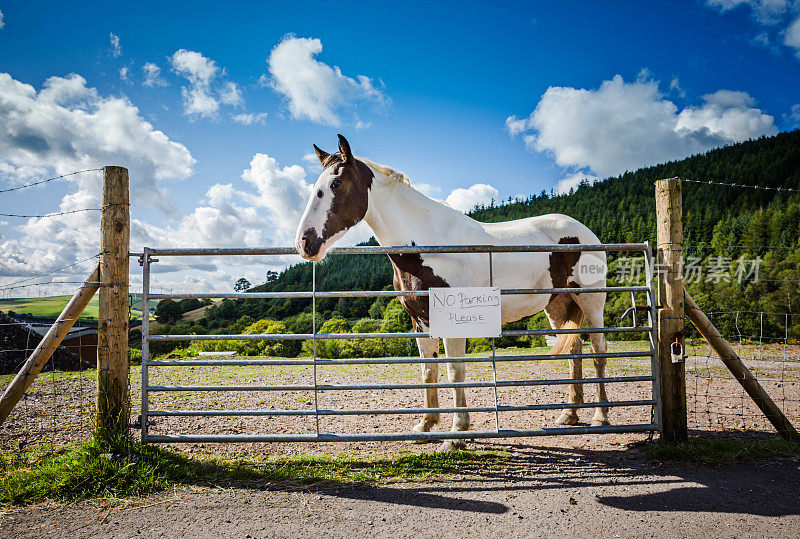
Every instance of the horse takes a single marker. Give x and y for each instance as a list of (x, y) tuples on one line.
[(352, 188)]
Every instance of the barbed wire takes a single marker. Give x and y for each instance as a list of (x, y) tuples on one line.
[(56, 214), (48, 283), (51, 272), (731, 184), (699, 246), (49, 180)]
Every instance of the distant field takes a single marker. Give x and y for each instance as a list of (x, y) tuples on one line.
[(51, 307)]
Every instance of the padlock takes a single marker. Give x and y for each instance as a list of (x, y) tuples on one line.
[(676, 350)]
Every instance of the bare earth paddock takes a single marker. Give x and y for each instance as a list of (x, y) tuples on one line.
[(549, 486)]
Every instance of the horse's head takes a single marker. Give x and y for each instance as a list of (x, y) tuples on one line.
[(338, 201)]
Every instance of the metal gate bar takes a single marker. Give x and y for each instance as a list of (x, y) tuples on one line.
[(389, 411), (146, 259), (385, 293), (409, 335), (437, 385), (398, 436), (386, 360), (408, 249)]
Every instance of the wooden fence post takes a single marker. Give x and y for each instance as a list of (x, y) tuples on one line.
[(669, 245), (113, 399)]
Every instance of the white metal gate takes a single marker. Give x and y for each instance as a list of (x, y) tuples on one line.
[(148, 257)]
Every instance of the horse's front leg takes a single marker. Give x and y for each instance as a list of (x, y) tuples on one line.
[(430, 375), (456, 372)]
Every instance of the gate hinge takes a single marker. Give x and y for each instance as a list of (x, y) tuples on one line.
[(138, 423)]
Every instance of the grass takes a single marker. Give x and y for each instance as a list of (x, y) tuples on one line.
[(51, 307), (721, 451), (86, 471)]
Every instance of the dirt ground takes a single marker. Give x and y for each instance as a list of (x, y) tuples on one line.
[(542, 491), (563, 485), (57, 409)]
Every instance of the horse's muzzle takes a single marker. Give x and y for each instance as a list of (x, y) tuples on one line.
[(310, 244)]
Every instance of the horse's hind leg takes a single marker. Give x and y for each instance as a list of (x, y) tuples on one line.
[(456, 372), (569, 416), (599, 346), (564, 313), (430, 375), (592, 306)]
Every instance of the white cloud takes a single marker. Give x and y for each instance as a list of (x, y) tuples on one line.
[(794, 114), (515, 125), (770, 13), (791, 37), (763, 11), (124, 75), (152, 75), (572, 181), (428, 189), (200, 98), (199, 71), (116, 49), (726, 116), (362, 125), (623, 126), (282, 191), (194, 66), (466, 199), (198, 102), (231, 94), (64, 127), (250, 118), (2, 23), (227, 218), (314, 90), (312, 162), (675, 86)]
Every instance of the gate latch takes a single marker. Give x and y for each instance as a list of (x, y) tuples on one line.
[(676, 351)]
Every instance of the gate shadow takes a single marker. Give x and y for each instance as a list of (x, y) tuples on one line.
[(624, 479), (767, 488)]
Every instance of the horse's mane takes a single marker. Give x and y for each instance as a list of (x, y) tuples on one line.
[(394, 176)]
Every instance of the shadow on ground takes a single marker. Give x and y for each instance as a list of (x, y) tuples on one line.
[(624, 479)]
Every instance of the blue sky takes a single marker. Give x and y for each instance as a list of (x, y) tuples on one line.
[(214, 107)]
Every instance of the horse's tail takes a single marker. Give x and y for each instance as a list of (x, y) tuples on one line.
[(567, 342)]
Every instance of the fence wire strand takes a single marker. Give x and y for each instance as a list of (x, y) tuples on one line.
[(768, 344), (40, 182)]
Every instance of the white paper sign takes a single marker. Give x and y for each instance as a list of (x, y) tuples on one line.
[(464, 312)]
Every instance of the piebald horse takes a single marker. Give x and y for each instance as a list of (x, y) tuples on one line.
[(351, 189)]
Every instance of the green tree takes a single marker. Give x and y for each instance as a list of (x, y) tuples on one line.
[(168, 312), (241, 285)]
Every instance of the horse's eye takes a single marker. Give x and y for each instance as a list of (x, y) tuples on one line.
[(335, 184)]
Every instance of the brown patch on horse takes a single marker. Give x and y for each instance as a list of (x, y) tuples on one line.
[(562, 266), (411, 274), (350, 199)]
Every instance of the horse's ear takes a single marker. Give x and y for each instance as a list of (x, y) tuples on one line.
[(321, 154), (344, 150)]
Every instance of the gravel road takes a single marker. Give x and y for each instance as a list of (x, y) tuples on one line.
[(540, 491)]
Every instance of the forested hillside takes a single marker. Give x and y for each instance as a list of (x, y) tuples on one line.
[(721, 225)]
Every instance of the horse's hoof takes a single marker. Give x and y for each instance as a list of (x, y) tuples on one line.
[(600, 422), (567, 419), (451, 445)]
